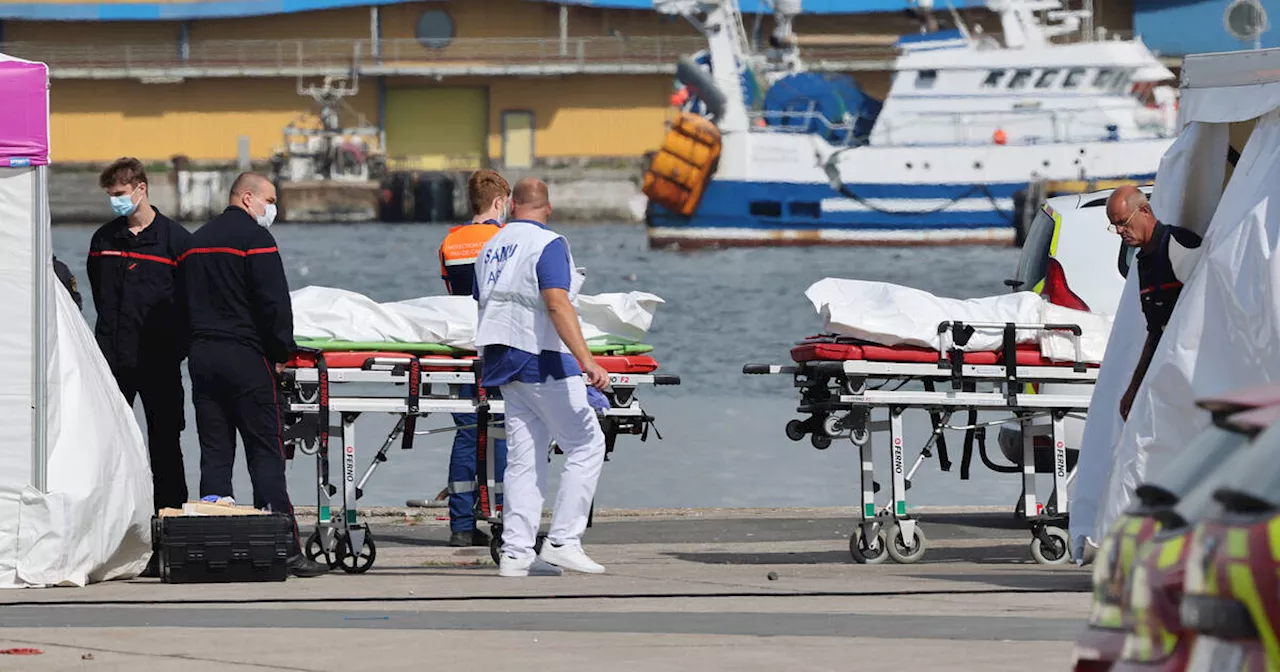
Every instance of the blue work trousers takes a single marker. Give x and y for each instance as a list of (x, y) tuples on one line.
[(464, 482)]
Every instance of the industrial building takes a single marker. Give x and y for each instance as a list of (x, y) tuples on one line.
[(453, 85)]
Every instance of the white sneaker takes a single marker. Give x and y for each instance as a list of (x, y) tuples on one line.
[(530, 566), (570, 556)]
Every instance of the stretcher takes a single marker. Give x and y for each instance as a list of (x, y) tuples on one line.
[(842, 380), (327, 385)]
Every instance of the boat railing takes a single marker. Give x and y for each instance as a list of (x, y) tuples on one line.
[(979, 126), (801, 121)]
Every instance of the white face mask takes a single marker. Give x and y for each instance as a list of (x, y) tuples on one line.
[(268, 216)]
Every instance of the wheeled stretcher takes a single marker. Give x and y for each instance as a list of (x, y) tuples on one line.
[(842, 380), (328, 385)]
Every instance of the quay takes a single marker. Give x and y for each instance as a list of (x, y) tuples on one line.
[(742, 589)]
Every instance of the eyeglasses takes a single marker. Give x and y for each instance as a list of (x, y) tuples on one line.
[(1115, 228)]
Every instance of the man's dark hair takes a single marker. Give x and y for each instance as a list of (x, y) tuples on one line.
[(124, 170)]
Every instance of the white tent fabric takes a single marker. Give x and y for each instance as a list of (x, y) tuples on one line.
[(1225, 331), (92, 520), (327, 312), (75, 482), (891, 314)]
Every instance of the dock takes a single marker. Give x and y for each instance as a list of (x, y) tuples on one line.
[(722, 589)]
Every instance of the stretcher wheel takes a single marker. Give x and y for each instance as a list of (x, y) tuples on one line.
[(795, 430), (862, 554), (897, 546), (495, 543), (860, 436), (1056, 552), (820, 442), (315, 552), (352, 563), (831, 425)]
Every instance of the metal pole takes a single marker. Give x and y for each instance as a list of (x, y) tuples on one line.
[(41, 261), (375, 34), (564, 30)]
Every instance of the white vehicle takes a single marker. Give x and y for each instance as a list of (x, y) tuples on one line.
[(1071, 259)]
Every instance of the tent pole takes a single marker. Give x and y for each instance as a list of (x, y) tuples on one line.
[(42, 258)]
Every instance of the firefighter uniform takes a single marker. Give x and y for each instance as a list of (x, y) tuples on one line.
[(141, 332), (68, 280), (241, 322), (1162, 272), (457, 268)]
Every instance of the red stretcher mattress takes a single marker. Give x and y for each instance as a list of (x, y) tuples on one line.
[(1028, 355), (622, 364)]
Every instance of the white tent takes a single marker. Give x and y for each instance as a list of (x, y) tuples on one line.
[(1225, 331), (75, 483)]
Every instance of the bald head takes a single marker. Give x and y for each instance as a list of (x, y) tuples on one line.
[(252, 192), (529, 200), (1130, 215)]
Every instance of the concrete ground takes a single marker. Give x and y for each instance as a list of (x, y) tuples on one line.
[(688, 589)]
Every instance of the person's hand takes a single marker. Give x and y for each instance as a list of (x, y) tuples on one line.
[(279, 367), (596, 375), (1126, 403)]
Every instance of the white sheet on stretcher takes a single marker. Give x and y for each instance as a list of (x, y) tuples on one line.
[(326, 312), (891, 314)]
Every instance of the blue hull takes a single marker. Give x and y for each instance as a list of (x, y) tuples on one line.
[(734, 213)]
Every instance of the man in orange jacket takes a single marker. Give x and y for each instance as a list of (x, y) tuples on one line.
[(488, 194)]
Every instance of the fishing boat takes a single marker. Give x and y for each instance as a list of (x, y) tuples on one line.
[(329, 173), (763, 151)]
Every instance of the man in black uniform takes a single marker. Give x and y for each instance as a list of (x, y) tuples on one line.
[(241, 322), (141, 327), (1166, 255), (68, 280)]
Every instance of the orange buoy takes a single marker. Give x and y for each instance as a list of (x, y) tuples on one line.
[(681, 169), (999, 137)]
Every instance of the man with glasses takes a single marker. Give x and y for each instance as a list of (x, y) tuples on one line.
[(1166, 255)]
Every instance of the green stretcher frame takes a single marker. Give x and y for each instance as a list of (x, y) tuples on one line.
[(329, 345)]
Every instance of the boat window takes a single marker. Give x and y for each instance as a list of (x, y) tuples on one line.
[(765, 208), (1122, 79), (1103, 78), (925, 79), (805, 209), (993, 78), (1074, 77), (1019, 79), (1035, 251), (1046, 80)]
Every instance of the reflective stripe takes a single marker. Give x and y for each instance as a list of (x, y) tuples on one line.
[(228, 250), (462, 487), (460, 262), (134, 255)]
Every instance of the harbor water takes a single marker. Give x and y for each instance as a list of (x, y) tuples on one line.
[(722, 432)]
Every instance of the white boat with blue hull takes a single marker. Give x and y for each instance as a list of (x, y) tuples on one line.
[(967, 124)]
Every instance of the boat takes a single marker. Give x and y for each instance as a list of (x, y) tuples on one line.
[(330, 173), (764, 152)]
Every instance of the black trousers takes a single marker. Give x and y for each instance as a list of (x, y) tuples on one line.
[(160, 386), (234, 389)]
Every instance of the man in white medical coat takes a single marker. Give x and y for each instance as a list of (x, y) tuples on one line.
[(535, 354)]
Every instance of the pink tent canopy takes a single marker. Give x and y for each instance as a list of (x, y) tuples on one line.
[(24, 116)]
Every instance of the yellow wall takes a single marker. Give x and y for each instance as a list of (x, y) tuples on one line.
[(584, 115), (96, 121), (436, 128)]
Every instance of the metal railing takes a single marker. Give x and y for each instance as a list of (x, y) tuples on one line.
[(327, 54), (288, 56)]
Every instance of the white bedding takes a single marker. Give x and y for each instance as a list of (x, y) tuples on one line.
[(891, 314), (326, 312)]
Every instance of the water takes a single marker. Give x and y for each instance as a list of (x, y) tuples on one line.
[(723, 443)]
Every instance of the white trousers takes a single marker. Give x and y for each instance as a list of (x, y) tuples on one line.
[(536, 413)]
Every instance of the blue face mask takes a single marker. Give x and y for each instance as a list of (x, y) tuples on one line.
[(123, 205)]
